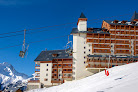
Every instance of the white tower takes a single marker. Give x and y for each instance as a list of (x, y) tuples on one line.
[(80, 49), (82, 23)]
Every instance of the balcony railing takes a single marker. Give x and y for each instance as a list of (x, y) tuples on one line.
[(54, 71), (67, 71), (67, 62), (96, 66), (56, 81), (54, 66), (34, 81), (67, 66)]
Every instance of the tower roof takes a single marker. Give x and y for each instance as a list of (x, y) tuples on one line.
[(82, 15), (135, 16)]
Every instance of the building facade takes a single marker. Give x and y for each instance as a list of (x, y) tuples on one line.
[(52, 68), (94, 49)]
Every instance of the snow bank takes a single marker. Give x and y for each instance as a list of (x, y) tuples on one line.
[(121, 79)]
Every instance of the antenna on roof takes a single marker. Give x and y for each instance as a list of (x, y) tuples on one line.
[(24, 48), (69, 47)]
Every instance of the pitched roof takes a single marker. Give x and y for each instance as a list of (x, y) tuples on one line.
[(48, 55), (135, 16), (119, 23), (82, 15), (94, 30)]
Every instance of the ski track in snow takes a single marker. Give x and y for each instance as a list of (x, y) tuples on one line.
[(121, 79)]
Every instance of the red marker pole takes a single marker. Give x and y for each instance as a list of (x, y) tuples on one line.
[(105, 71)]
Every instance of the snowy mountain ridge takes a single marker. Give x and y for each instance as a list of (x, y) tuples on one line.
[(9, 75), (121, 79)]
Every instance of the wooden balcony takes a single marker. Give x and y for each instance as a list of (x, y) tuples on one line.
[(122, 42), (122, 37), (55, 72), (67, 66), (56, 81), (34, 81), (67, 71), (67, 62), (37, 76), (96, 66), (54, 77), (59, 66), (54, 66), (122, 46), (100, 46), (101, 51), (122, 51), (60, 62)]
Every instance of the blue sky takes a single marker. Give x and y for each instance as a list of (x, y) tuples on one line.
[(16, 15)]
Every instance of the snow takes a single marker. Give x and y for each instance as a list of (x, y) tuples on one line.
[(9, 75), (121, 79)]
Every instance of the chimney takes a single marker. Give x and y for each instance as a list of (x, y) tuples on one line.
[(123, 22), (82, 23), (115, 21), (133, 22)]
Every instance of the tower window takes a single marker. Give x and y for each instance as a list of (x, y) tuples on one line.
[(89, 50), (46, 69), (84, 47), (47, 64), (84, 52), (45, 79), (84, 62), (46, 74)]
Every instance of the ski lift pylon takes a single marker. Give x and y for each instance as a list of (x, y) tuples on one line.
[(24, 49), (68, 47)]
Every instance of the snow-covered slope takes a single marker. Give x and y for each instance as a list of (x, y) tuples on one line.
[(121, 79), (9, 75)]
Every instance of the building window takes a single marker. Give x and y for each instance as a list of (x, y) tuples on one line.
[(84, 47), (46, 74), (46, 69), (89, 50), (84, 62), (45, 79), (84, 57), (84, 52), (47, 64)]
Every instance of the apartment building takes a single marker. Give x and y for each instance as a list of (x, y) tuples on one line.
[(52, 67), (115, 42), (94, 49)]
